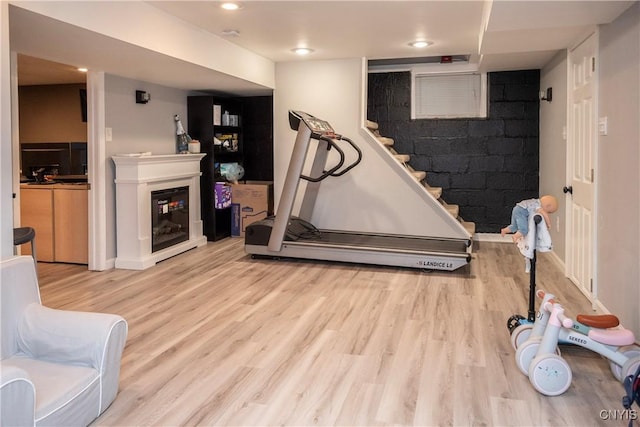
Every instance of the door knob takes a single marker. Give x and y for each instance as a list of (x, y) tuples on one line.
[(568, 189)]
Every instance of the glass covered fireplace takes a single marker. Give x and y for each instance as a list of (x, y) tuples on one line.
[(141, 232), (169, 217)]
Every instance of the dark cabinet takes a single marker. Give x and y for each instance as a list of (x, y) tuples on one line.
[(257, 137), (246, 133), (217, 123)]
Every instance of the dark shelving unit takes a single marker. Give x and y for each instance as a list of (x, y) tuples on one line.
[(204, 114)]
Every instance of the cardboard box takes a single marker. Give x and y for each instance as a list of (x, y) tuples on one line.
[(250, 202)]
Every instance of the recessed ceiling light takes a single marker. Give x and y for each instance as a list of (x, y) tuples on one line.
[(230, 6), (420, 44), (83, 69), (302, 50)]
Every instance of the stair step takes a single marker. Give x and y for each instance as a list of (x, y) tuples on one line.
[(469, 226), (454, 210), (435, 191), (419, 175), (386, 141)]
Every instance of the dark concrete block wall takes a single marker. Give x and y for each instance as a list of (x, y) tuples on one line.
[(483, 165)]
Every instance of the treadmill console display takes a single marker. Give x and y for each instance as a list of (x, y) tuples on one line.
[(317, 126)]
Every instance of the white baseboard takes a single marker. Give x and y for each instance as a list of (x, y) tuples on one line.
[(109, 264), (492, 237), (600, 307), (558, 261), (497, 238)]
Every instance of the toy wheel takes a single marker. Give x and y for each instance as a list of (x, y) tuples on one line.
[(525, 354), (630, 367), (520, 334), (630, 351), (550, 374), (514, 321)]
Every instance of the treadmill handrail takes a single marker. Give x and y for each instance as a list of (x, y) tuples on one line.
[(331, 171), (355, 163)]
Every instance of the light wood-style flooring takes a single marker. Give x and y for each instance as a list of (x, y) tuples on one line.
[(217, 338)]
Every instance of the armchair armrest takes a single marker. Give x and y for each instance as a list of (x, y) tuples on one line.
[(65, 336), (73, 337), (17, 397)]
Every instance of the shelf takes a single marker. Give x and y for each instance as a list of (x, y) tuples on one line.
[(219, 150), (235, 155), (216, 222)]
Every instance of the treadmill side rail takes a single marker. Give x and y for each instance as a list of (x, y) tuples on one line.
[(287, 198)]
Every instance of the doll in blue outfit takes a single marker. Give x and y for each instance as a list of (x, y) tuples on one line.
[(519, 226)]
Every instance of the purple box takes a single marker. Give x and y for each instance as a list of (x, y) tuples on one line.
[(222, 195)]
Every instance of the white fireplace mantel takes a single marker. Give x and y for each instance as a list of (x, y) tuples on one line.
[(136, 177)]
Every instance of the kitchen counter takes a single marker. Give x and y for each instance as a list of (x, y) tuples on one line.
[(59, 213)]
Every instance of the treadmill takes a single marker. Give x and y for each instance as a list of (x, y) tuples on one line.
[(287, 236)]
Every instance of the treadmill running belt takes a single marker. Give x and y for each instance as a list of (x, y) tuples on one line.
[(387, 242)]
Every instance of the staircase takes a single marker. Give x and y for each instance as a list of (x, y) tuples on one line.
[(420, 177)]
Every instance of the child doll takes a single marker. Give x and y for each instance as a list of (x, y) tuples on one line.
[(519, 226)]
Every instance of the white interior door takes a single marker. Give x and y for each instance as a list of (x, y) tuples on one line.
[(580, 170)]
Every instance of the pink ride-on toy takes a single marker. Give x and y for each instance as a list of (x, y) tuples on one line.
[(551, 375), (526, 338)]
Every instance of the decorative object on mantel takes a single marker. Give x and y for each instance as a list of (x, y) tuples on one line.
[(182, 138), (194, 146), (137, 177)]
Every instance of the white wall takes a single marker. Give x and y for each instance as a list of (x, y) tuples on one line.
[(143, 25), (137, 128), (6, 174), (618, 180), (372, 197), (329, 90), (553, 145)]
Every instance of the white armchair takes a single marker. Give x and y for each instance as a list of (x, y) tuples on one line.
[(57, 367)]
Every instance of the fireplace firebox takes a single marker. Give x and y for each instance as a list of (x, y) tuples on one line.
[(169, 217)]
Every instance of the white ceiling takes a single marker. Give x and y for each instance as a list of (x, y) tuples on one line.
[(499, 35)]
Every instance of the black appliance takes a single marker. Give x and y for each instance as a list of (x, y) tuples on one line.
[(60, 159)]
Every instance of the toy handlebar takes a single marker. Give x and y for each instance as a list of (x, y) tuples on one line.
[(540, 293), (564, 320), (548, 306)]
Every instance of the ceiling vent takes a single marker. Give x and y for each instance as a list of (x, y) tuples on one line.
[(398, 64)]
